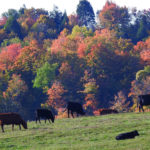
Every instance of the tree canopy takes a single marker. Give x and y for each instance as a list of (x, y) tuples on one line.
[(48, 58)]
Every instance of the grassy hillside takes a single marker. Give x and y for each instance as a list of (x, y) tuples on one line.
[(85, 133)]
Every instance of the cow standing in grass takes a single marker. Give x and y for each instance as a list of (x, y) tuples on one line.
[(44, 113), (11, 118), (143, 100), (75, 107)]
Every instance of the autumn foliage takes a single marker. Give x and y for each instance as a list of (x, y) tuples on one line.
[(9, 55), (56, 93), (49, 58)]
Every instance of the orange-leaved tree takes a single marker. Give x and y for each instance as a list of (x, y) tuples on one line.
[(55, 94), (30, 57)]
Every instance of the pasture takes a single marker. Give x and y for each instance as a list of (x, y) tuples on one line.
[(84, 133)]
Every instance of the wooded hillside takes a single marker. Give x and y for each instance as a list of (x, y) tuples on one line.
[(48, 58)]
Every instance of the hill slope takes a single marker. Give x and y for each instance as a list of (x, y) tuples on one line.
[(85, 133)]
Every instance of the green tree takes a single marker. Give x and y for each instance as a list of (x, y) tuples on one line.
[(45, 75), (7, 42), (81, 31), (142, 74)]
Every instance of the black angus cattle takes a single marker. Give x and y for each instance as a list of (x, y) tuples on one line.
[(143, 100), (127, 135), (45, 114), (105, 111), (75, 107), (13, 119)]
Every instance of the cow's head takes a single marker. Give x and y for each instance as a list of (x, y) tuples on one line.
[(136, 133), (24, 124), (82, 112), (52, 118)]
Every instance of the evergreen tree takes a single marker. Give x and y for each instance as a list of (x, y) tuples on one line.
[(85, 14), (13, 26), (11, 13), (142, 30)]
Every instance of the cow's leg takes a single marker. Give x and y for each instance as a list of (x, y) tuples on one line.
[(49, 120), (45, 120), (39, 120), (139, 108), (36, 119), (77, 115), (2, 126), (72, 114), (142, 108), (19, 126), (12, 127), (68, 113)]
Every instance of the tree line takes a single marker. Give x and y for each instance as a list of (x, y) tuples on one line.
[(48, 58)]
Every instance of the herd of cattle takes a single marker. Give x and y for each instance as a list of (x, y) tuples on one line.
[(72, 107), (15, 119)]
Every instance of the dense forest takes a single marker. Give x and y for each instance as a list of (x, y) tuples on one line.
[(48, 58)]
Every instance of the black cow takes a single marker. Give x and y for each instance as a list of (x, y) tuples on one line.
[(105, 111), (143, 100), (11, 118), (44, 113), (75, 107), (127, 135)]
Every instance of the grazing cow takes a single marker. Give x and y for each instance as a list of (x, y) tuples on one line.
[(143, 100), (105, 111), (75, 107), (44, 113), (11, 118), (127, 135)]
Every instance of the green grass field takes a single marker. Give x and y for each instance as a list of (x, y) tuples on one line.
[(84, 133)]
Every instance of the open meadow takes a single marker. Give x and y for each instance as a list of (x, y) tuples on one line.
[(83, 133)]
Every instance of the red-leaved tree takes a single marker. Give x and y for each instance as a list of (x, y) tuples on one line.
[(8, 56)]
